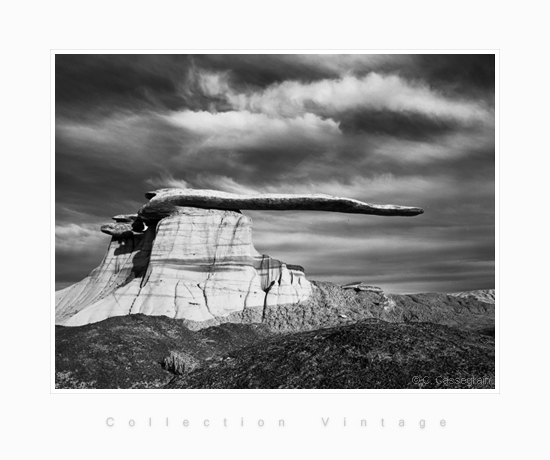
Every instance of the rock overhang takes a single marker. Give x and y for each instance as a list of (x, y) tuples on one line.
[(164, 202), (188, 254)]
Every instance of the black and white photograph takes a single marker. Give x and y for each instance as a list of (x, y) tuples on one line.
[(274, 230), (275, 221)]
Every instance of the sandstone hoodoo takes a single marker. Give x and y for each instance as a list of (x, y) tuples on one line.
[(188, 254)]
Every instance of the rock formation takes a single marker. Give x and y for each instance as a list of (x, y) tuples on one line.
[(188, 254), (360, 286), (483, 295), (164, 201)]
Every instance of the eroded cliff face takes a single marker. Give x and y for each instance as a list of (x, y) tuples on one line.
[(198, 265), (188, 254), (124, 264)]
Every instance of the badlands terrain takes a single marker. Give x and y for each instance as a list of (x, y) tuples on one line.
[(182, 299), (343, 338)]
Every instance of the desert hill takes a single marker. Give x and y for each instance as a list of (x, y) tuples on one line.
[(485, 295), (396, 335), (367, 354)]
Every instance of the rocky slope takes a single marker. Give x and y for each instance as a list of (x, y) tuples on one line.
[(331, 305), (368, 354), (127, 351), (483, 295)]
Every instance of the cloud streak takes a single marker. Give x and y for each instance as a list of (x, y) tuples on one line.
[(374, 91), (387, 129)]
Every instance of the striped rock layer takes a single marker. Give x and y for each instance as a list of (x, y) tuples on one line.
[(198, 265)]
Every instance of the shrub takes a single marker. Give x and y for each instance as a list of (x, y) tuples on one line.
[(179, 363)]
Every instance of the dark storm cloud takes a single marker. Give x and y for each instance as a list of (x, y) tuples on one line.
[(471, 75), (168, 82), (78, 249), (403, 129), (256, 70), (407, 125), (468, 75), (108, 82)]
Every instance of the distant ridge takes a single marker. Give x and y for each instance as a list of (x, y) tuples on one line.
[(483, 295)]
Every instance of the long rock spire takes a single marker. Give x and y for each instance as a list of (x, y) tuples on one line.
[(162, 203)]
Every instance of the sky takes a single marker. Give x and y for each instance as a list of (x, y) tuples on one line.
[(412, 130)]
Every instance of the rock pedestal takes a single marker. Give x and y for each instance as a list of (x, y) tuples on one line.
[(198, 265), (188, 254)]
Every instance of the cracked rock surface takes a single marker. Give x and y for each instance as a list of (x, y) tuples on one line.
[(198, 265)]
